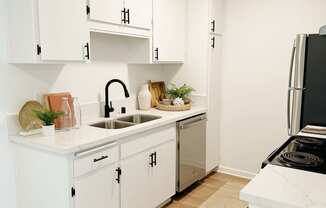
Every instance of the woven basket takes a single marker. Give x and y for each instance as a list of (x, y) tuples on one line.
[(173, 107)]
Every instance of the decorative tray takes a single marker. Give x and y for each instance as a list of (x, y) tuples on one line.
[(173, 107)]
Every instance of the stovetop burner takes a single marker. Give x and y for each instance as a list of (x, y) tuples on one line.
[(300, 159), (309, 141), (300, 152)]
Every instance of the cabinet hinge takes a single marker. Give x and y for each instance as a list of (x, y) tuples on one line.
[(38, 49), (73, 192), (88, 10)]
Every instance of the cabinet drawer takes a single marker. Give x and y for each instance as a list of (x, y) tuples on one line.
[(96, 158), (147, 140)]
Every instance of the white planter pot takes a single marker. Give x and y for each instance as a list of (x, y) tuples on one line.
[(178, 101), (48, 130), (144, 98)]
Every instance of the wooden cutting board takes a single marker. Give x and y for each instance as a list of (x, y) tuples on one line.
[(27, 119), (53, 102), (157, 90)]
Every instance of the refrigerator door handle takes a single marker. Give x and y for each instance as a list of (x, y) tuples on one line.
[(290, 90)]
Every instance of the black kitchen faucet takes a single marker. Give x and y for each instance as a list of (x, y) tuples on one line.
[(108, 107)]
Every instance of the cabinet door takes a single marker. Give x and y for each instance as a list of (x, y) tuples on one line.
[(63, 30), (214, 90), (135, 187), (169, 30), (109, 11), (140, 13), (163, 180), (98, 189), (216, 16)]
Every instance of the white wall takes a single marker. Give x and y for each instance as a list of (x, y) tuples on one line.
[(7, 187), (257, 44)]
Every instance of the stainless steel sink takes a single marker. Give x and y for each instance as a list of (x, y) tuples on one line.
[(139, 118), (125, 122), (114, 124)]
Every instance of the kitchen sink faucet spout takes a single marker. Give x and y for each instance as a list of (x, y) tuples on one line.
[(108, 106)]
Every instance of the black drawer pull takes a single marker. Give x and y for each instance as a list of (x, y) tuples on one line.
[(128, 16), (101, 158), (87, 51), (152, 160), (118, 179), (213, 25), (155, 162), (123, 16), (213, 42), (156, 54)]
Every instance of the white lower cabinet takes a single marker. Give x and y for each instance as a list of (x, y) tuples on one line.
[(148, 179), (98, 189), (163, 180), (135, 185), (135, 172)]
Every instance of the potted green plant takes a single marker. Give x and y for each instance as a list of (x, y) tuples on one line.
[(180, 95), (47, 117)]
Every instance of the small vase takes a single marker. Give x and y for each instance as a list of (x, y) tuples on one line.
[(178, 101), (48, 130), (144, 98)]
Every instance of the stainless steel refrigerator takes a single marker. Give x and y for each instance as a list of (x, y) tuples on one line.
[(307, 83)]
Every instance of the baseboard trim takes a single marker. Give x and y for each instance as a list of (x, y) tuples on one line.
[(236, 172)]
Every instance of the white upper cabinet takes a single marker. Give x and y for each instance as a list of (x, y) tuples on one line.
[(139, 13), (121, 17), (109, 11), (48, 31), (169, 17), (63, 30), (216, 16)]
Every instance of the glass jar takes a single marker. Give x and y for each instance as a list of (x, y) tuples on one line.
[(66, 120), (77, 113)]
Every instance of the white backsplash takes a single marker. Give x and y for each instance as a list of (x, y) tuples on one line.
[(93, 111)]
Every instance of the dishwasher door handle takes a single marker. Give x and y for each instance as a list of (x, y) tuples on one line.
[(193, 123)]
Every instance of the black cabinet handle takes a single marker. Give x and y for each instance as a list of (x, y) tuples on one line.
[(213, 26), (101, 158), (152, 160), (155, 162), (156, 54), (213, 42), (128, 16), (123, 15), (118, 179), (87, 50)]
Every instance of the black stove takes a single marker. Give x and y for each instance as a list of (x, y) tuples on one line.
[(300, 152)]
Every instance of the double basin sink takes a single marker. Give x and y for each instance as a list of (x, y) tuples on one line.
[(126, 121)]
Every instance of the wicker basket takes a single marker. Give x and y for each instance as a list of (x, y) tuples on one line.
[(173, 107)]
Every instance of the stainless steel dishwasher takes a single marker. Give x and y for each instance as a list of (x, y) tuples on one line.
[(191, 151)]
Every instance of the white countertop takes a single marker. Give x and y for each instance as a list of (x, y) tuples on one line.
[(86, 137), (280, 187)]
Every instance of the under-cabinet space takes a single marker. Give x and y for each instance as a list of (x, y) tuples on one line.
[(41, 34), (117, 48), (169, 25)]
